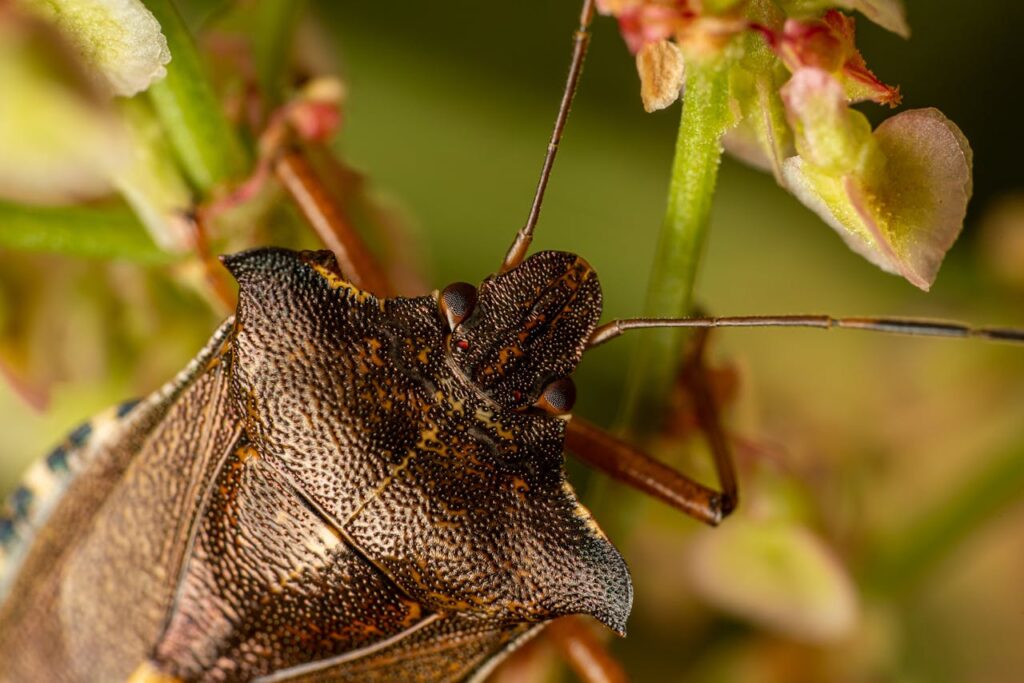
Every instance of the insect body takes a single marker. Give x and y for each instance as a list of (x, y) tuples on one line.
[(346, 487), (339, 487)]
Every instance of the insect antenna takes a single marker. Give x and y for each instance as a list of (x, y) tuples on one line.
[(581, 39), (905, 326)]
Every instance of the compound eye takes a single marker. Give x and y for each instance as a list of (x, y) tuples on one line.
[(456, 302), (558, 397)]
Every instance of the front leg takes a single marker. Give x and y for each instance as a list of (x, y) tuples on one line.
[(625, 462)]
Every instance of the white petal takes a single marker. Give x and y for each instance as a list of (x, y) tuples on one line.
[(120, 39)]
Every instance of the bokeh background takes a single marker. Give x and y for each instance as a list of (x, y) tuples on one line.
[(880, 537)]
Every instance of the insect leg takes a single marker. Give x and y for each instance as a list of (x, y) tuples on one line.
[(583, 651), (216, 279), (298, 176), (627, 463), (630, 465), (695, 380)]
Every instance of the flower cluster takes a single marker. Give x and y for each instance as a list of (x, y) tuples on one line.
[(897, 195), (91, 110), (67, 126)]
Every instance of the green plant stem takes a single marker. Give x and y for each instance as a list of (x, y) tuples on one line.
[(901, 561), (698, 153), (105, 233), (276, 21), (203, 139)]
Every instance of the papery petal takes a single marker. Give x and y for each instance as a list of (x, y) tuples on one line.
[(60, 138), (745, 143), (661, 69), (762, 137), (828, 195), (889, 14), (776, 574), (829, 135), (120, 39), (904, 212), (926, 186)]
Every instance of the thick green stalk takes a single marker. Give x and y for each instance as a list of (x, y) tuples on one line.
[(903, 560), (276, 21), (204, 141), (105, 233), (705, 118)]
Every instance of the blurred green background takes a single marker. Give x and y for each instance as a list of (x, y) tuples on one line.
[(901, 458)]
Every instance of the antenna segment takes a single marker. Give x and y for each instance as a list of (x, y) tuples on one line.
[(906, 326), (581, 40)]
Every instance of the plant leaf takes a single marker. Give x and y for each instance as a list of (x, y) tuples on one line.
[(105, 233), (777, 574), (207, 146), (152, 183)]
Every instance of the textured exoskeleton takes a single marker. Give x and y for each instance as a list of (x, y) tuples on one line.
[(338, 487)]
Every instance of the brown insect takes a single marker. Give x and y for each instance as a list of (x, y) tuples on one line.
[(346, 486)]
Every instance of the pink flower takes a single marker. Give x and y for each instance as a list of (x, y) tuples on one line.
[(828, 44), (642, 22)]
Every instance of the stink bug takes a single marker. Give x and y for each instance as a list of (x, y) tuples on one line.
[(345, 486)]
